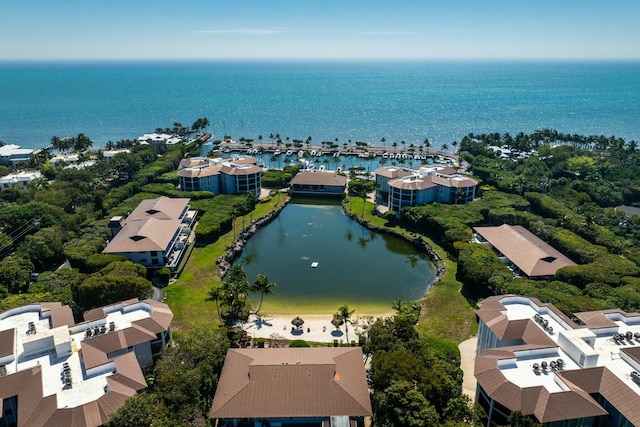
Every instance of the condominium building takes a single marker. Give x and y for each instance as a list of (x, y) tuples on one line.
[(55, 372), (237, 175), (534, 359), (155, 234), (411, 187)]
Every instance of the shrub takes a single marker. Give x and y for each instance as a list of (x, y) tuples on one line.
[(299, 343)]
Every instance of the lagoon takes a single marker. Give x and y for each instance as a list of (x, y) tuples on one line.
[(366, 270)]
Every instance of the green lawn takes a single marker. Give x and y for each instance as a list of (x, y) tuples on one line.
[(445, 312)]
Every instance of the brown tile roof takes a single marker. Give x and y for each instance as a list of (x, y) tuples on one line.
[(412, 183), (536, 400), (160, 208), (7, 342), (61, 315), (95, 349), (529, 253), (36, 410), (319, 178), (143, 235), (595, 320), (292, 382), (392, 172), (200, 172), (193, 162), (633, 353), (240, 170), (601, 380), (456, 181), (243, 160), (493, 307)]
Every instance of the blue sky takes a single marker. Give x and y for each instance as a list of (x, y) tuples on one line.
[(420, 29)]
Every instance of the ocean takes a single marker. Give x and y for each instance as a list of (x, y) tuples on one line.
[(358, 101)]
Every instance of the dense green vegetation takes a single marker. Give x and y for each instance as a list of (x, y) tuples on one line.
[(565, 194), (558, 195)]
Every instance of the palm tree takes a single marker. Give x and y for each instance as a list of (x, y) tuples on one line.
[(383, 140), (427, 144), (444, 147), (235, 288), (344, 314), (263, 286), (397, 305), (215, 293), (56, 143)]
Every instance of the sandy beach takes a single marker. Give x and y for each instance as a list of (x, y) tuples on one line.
[(316, 328)]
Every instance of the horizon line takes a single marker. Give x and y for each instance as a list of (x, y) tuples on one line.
[(320, 59)]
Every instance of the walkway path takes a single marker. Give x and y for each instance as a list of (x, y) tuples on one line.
[(467, 363)]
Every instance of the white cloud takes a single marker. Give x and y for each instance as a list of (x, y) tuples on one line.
[(391, 33), (242, 31)]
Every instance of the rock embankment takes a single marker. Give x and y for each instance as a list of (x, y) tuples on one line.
[(416, 240), (225, 261)]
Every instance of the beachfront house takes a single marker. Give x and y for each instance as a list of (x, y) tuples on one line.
[(156, 234), (13, 155), (236, 175), (402, 187), (19, 180), (318, 184), (524, 252), (162, 139), (55, 372), (321, 386), (532, 358)]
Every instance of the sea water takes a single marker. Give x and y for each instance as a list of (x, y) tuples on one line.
[(358, 101)]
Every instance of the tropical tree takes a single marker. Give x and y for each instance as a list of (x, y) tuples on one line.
[(427, 144), (215, 293), (444, 147), (235, 289), (344, 315), (263, 286)]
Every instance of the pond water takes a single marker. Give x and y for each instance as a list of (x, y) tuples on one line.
[(355, 265)]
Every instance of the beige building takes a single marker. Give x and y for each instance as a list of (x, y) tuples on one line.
[(155, 234), (318, 184), (403, 187), (237, 175), (54, 372)]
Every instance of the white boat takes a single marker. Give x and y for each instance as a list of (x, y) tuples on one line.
[(300, 153), (314, 264), (313, 153), (289, 153), (277, 153)]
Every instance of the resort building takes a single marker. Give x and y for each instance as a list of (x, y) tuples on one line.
[(237, 175), (318, 184), (320, 386), (159, 138), (54, 372), (108, 154), (155, 234), (524, 252), (411, 187), (533, 359), (19, 180), (12, 154)]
